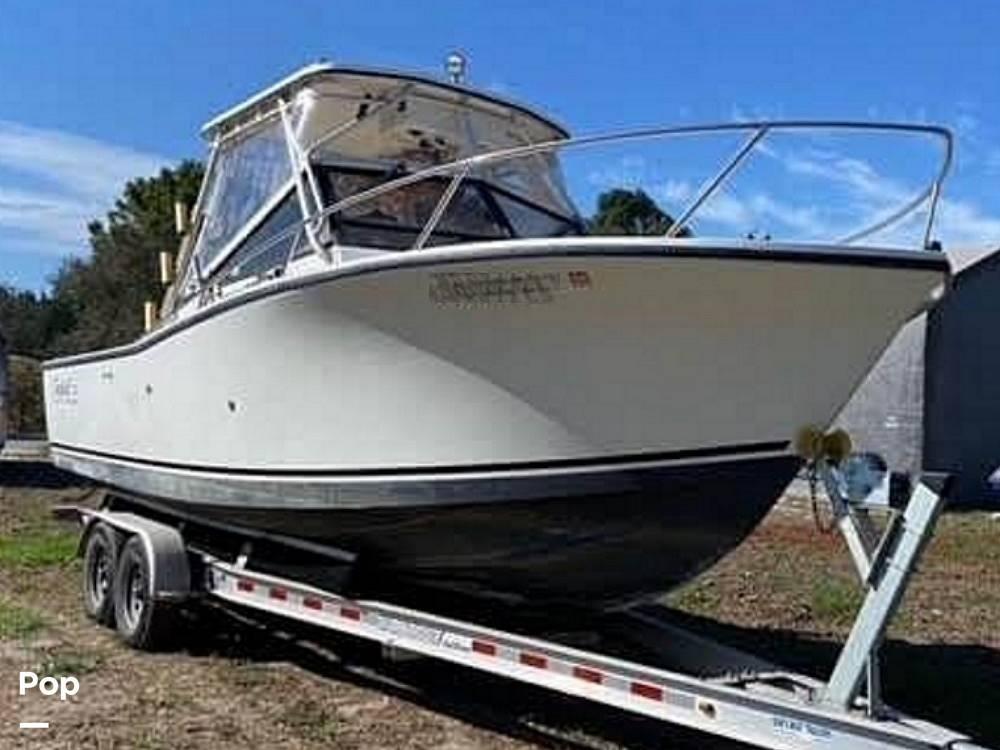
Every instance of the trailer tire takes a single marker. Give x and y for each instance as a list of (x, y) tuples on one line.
[(100, 561), (143, 622)]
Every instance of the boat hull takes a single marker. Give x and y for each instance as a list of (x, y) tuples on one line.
[(591, 538), (443, 415)]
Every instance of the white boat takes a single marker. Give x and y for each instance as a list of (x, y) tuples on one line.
[(392, 337)]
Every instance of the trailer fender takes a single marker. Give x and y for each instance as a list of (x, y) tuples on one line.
[(170, 572)]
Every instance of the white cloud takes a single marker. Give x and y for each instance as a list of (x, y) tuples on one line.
[(48, 216), (743, 215), (83, 166), (674, 191), (836, 195), (804, 219), (724, 208), (859, 177), (625, 172), (958, 222), (963, 224), (52, 183)]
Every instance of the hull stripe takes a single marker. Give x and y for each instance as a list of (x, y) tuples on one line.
[(741, 449)]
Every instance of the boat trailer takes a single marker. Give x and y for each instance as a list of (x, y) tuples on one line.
[(710, 687)]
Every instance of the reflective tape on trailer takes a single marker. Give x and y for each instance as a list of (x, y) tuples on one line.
[(253, 589), (764, 718)]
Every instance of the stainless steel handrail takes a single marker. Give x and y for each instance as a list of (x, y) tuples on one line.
[(716, 182), (759, 129)]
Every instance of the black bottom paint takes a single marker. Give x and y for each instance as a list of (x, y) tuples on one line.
[(660, 528)]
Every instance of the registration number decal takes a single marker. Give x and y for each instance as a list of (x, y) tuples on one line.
[(505, 288)]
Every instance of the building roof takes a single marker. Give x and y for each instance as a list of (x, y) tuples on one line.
[(966, 258)]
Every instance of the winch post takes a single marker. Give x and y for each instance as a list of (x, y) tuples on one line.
[(902, 546)]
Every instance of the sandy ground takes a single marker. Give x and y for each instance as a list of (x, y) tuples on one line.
[(788, 592)]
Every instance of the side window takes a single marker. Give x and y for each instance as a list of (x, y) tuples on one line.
[(246, 173), (530, 221), (270, 245)]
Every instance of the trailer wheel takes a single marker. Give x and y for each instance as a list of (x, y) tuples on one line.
[(142, 622), (100, 559)]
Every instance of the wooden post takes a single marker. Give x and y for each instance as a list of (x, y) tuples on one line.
[(149, 315)]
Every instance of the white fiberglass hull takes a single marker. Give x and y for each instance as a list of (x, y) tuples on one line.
[(495, 360), (464, 376)]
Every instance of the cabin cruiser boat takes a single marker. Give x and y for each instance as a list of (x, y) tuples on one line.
[(392, 336)]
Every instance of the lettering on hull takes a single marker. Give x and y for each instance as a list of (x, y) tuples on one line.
[(505, 288)]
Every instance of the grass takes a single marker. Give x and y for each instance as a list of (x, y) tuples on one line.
[(698, 597), (967, 539), (37, 549), (943, 655), (152, 740), (311, 719), (18, 622), (789, 593), (246, 675), (68, 664), (834, 601)]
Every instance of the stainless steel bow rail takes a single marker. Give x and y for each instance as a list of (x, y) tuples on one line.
[(743, 697), (457, 171), (758, 131)]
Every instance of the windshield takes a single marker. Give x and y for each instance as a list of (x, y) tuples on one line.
[(394, 219), (247, 172)]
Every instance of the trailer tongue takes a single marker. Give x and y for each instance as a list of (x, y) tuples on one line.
[(710, 687)]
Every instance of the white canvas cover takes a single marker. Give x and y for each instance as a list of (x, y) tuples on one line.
[(414, 126), (398, 123)]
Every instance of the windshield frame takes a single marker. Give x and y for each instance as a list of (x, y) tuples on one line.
[(226, 156), (485, 190)]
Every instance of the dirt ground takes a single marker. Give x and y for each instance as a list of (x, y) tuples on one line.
[(788, 592)]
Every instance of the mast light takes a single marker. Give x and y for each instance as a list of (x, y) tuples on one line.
[(455, 65)]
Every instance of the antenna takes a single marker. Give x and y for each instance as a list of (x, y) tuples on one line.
[(455, 65)]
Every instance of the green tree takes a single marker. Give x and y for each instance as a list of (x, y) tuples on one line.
[(25, 407), (621, 211), (96, 302), (99, 299), (28, 321)]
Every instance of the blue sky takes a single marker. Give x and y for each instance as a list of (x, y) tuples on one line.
[(95, 93)]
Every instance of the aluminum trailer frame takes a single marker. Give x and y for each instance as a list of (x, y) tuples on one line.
[(746, 699)]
